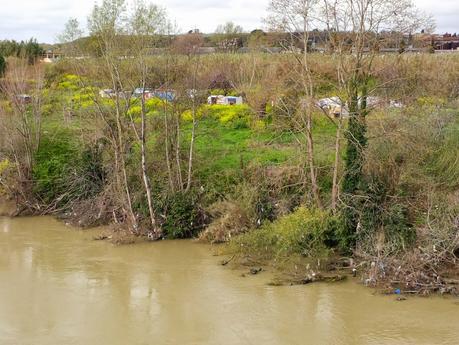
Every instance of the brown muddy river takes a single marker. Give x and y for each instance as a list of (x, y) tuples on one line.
[(58, 286)]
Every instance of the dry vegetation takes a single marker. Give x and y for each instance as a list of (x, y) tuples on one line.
[(283, 181)]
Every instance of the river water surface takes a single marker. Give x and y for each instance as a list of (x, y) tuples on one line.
[(58, 286)]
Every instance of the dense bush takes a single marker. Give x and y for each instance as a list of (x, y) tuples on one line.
[(304, 232), (250, 161), (153, 106), (234, 116), (30, 49), (53, 161), (182, 215), (5, 167), (2, 66), (64, 172), (229, 219), (443, 163), (69, 82), (381, 217), (416, 157)]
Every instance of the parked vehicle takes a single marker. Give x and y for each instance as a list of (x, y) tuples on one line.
[(224, 100)]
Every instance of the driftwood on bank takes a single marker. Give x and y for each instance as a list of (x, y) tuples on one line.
[(308, 279)]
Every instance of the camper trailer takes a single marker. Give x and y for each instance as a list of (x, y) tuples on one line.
[(224, 100)]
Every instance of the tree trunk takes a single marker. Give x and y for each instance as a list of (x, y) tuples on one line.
[(177, 153), (146, 180), (166, 146), (190, 158), (335, 187), (310, 147)]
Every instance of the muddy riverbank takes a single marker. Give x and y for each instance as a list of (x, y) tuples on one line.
[(7, 207)]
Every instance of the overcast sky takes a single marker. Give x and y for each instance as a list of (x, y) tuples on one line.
[(45, 19)]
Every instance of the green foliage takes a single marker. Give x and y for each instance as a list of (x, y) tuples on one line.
[(353, 180), (182, 215), (399, 233), (52, 161), (232, 149), (235, 116), (63, 172), (417, 157), (69, 82), (153, 107), (83, 98), (305, 232), (5, 166), (353, 183), (2, 66), (356, 143), (71, 91), (443, 163), (379, 213), (30, 49), (223, 92), (431, 101), (218, 92), (187, 115), (253, 167)]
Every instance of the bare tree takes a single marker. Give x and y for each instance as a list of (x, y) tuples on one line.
[(146, 22), (107, 23), (354, 30), (188, 44), (21, 122), (192, 95), (229, 29), (69, 37), (297, 17)]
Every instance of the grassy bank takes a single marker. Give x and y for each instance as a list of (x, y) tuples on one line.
[(247, 181)]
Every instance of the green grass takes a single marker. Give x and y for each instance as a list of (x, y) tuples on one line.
[(223, 148), (443, 163), (227, 138)]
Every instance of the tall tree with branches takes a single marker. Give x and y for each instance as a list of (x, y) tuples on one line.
[(107, 23), (21, 122), (145, 24), (354, 31), (297, 18)]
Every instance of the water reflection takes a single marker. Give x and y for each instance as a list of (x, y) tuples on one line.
[(57, 286), (4, 225)]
